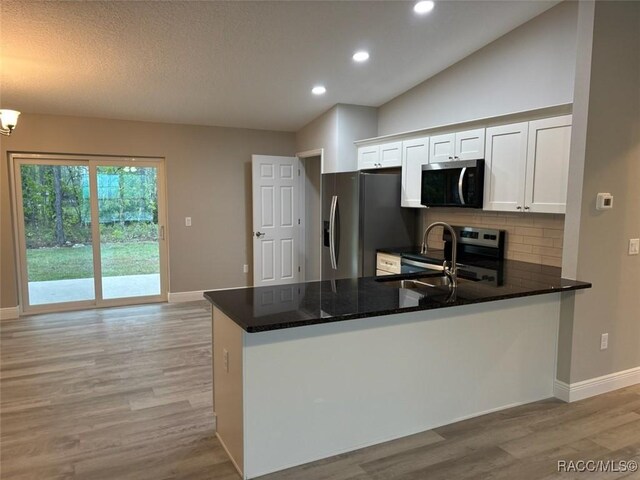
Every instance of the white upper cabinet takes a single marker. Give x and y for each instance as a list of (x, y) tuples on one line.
[(526, 163), (442, 148), (527, 166), (386, 155), (469, 145), (505, 167), (391, 154), (415, 154), (548, 165), (368, 157)]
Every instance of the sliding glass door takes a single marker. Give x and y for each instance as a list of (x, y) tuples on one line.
[(90, 231), (129, 230), (56, 228)]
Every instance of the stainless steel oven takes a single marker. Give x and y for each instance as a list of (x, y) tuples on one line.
[(480, 253), (417, 266)]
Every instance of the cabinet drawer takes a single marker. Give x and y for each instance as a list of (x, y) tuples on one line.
[(388, 263), (381, 273)]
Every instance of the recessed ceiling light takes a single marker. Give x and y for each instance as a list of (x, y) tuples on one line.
[(360, 56), (318, 90), (424, 6)]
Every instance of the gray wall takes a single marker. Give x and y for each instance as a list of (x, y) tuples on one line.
[(529, 67), (321, 132), (208, 178), (355, 122), (611, 164), (335, 131)]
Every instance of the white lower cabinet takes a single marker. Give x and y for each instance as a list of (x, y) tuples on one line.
[(527, 166), (415, 154), (387, 264)]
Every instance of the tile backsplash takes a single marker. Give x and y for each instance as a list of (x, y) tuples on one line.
[(531, 237)]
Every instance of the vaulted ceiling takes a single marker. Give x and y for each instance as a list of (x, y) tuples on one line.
[(233, 63)]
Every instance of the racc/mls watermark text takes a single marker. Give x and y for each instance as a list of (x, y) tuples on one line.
[(600, 466)]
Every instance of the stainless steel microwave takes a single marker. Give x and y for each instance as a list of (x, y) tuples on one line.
[(453, 184)]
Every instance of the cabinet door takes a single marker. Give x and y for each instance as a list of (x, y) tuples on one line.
[(368, 157), (391, 154), (442, 148), (469, 145), (505, 167), (548, 165), (415, 154)]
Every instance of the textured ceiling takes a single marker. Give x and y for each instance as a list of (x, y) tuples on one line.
[(241, 64)]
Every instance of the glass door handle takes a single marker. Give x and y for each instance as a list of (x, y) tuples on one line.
[(162, 232)]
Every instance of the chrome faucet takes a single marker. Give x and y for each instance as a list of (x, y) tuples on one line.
[(449, 269)]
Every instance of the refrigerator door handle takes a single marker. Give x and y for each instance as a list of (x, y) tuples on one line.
[(332, 232), (460, 190)]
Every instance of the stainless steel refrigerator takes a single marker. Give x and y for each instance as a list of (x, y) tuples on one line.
[(361, 213)]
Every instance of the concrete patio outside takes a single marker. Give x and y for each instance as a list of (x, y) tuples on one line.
[(76, 290)]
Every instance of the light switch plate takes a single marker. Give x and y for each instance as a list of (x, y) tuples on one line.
[(187, 221), (604, 341), (634, 246)]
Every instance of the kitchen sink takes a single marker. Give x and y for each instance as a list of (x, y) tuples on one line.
[(421, 283)]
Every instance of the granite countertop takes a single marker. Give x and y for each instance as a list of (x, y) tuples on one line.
[(258, 309)]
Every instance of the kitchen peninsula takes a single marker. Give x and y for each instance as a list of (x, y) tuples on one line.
[(308, 370)]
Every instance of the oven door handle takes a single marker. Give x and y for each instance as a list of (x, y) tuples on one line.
[(460, 182), (426, 266)]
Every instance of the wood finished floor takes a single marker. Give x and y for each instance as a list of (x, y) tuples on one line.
[(125, 393)]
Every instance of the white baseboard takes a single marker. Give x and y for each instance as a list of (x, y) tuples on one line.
[(596, 386), (561, 390), (9, 313), (178, 297), (194, 296)]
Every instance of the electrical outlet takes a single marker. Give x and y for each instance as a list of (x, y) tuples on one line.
[(187, 221), (225, 359), (604, 341), (634, 246), (245, 268)]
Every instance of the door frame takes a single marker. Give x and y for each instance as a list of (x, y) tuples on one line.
[(302, 197), (92, 161)]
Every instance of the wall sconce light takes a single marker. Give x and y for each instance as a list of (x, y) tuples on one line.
[(8, 120)]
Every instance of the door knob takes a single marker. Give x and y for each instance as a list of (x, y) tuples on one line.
[(518, 207), (260, 234)]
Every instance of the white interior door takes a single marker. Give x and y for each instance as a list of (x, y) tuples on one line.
[(276, 220)]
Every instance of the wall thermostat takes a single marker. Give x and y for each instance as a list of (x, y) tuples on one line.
[(604, 201)]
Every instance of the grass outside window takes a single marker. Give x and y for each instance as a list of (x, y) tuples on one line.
[(118, 259)]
